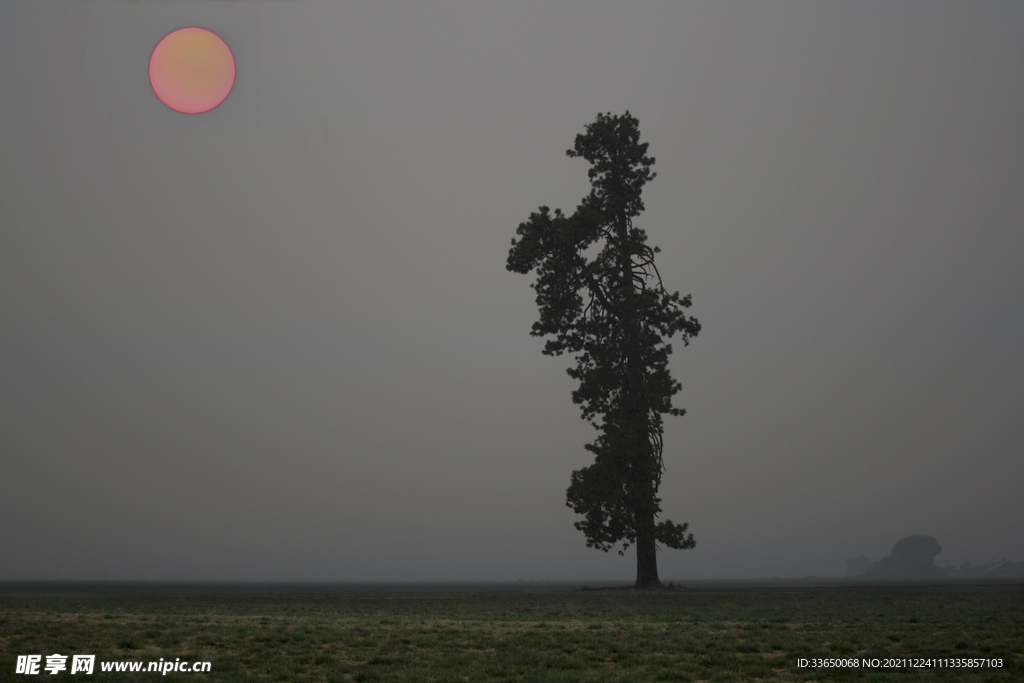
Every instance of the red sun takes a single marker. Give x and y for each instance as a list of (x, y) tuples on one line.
[(192, 70)]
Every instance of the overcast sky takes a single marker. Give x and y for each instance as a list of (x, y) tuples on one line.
[(278, 341)]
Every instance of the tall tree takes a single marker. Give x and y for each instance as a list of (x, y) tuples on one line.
[(601, 298)]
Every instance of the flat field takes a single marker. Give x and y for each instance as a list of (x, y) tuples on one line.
[(706, 632)]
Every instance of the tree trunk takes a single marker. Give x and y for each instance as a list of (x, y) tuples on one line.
[(637, 412), (647, 558)]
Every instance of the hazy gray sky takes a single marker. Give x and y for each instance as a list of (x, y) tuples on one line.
[(278, 340)]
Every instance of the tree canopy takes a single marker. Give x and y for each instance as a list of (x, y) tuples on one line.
[(601, 298)]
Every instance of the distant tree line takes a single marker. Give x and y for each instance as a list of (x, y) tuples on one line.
[(991, 568), (913, 558)]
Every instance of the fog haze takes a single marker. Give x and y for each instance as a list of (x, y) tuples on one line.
[(277, 341)]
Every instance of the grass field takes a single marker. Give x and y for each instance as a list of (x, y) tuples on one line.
[(478, 633)]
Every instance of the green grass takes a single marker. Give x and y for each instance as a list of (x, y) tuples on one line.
[(326, 633)]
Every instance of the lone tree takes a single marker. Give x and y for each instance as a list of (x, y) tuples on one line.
[(601, 298)]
